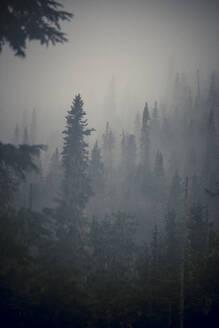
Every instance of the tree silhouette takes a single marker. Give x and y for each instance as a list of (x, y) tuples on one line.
[(22, 21)]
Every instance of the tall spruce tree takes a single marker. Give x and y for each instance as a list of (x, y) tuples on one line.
[(175, 194), (158, 166), (131, 150), (137, 127), (108, 145), (54, 177), (171, 248), (96, 169), (76, 187), (145, 138), (128, 152)]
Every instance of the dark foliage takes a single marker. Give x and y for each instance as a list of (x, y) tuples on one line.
[(22, 21)]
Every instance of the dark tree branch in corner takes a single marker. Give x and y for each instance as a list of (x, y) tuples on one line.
[(22, 21)]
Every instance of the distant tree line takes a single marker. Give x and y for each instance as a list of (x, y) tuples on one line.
[(125, 235)]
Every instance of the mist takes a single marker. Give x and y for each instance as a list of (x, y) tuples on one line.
[(109, 166), (140, 45)]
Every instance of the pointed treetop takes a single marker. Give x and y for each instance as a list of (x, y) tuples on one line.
[(146, 116)]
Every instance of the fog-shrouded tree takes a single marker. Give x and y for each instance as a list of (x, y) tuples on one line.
[(96, 169), (76, 188), (144, 177), (54, 177), (15, 163), (108, 146), (145, 138), (159, 179), (22, 21), (154, 253), (171, 245), (97, 180), (159, 166), (137, 128), (128, 153), (175, 193)]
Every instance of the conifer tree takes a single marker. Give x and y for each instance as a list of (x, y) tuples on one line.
[(197, 238), (175, 193), (171, 245), (123, 148), (128, 152), (158, 166), (137, 127), (96, 204), (145, 139), (159, 179), (54, 176), (154, 253), (131, 152), (108, 145), (211, 144), (76, 188), (15, 163), (96, 168)]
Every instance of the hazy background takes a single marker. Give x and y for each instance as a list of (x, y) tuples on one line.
[(132, 47)]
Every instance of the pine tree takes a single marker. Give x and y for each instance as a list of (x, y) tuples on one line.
[(175, 193), (159, 181), (211, 167), (128, 153), (171, 245), (158, 166), (76, 187), (123, 148), (137, 127), (131, 150), (145, 139), (54, 176), (96, 174), (197, 238), (96, 169), (16, 162), (154, 253), (108, 145)]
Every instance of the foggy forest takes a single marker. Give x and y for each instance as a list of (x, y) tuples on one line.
[(109, 163)]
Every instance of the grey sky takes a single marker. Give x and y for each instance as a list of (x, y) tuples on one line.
[(134, 41)]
